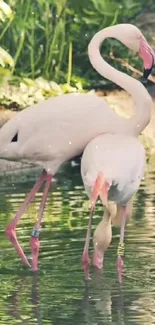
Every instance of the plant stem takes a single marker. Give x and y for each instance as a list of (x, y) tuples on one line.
[(32, 51), (6, 27), (22, 38), (55, 37), (115, 17), (20, 46), (60, 55), (47, 36), (69, 74)]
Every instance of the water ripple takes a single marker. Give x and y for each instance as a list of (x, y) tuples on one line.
[(58, 293)]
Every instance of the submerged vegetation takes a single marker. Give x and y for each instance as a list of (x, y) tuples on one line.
[(48, 39)]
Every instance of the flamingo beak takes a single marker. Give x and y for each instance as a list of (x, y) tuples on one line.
[(147, 72), (148, 56)]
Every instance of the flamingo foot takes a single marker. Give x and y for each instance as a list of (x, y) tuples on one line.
[(11, 234), (35, 245), (98, 260), (120, 268), (85, 259), (120, 263)]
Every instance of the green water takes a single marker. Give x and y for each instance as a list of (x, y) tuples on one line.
[(58, 293)]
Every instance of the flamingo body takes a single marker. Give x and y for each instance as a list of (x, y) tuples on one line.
[(122, 161), (112, 167), (56, 130)]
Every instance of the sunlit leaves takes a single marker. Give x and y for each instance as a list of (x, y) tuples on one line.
[(5, 58), (5, 11), (31, 91)]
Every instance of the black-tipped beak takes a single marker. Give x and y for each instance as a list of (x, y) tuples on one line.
[(147, 72)]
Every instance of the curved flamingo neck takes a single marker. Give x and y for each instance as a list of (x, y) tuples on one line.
[(141, 98), (102, 234)]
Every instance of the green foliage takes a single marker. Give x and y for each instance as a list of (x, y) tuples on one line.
[(49, 38), (6, 15)]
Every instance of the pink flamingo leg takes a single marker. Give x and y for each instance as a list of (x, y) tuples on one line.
[(95, 193), (34, 241), (99, 187), (11, 228), (120, 251)]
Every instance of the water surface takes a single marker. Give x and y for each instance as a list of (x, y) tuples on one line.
[(58, 293)]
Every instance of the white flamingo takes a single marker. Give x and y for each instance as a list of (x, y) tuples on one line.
[(51, 132), (112, 167)]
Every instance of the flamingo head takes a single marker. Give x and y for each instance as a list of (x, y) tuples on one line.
[(102, 239), (148, 56), (132, 38)]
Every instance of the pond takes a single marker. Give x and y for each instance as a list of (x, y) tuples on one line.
[(58, 293)]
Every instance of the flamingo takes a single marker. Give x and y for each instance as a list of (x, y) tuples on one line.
[(112, 167), (51, 132)]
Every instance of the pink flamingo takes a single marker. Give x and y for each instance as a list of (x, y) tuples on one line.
[(51, 132), (112, 167)]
